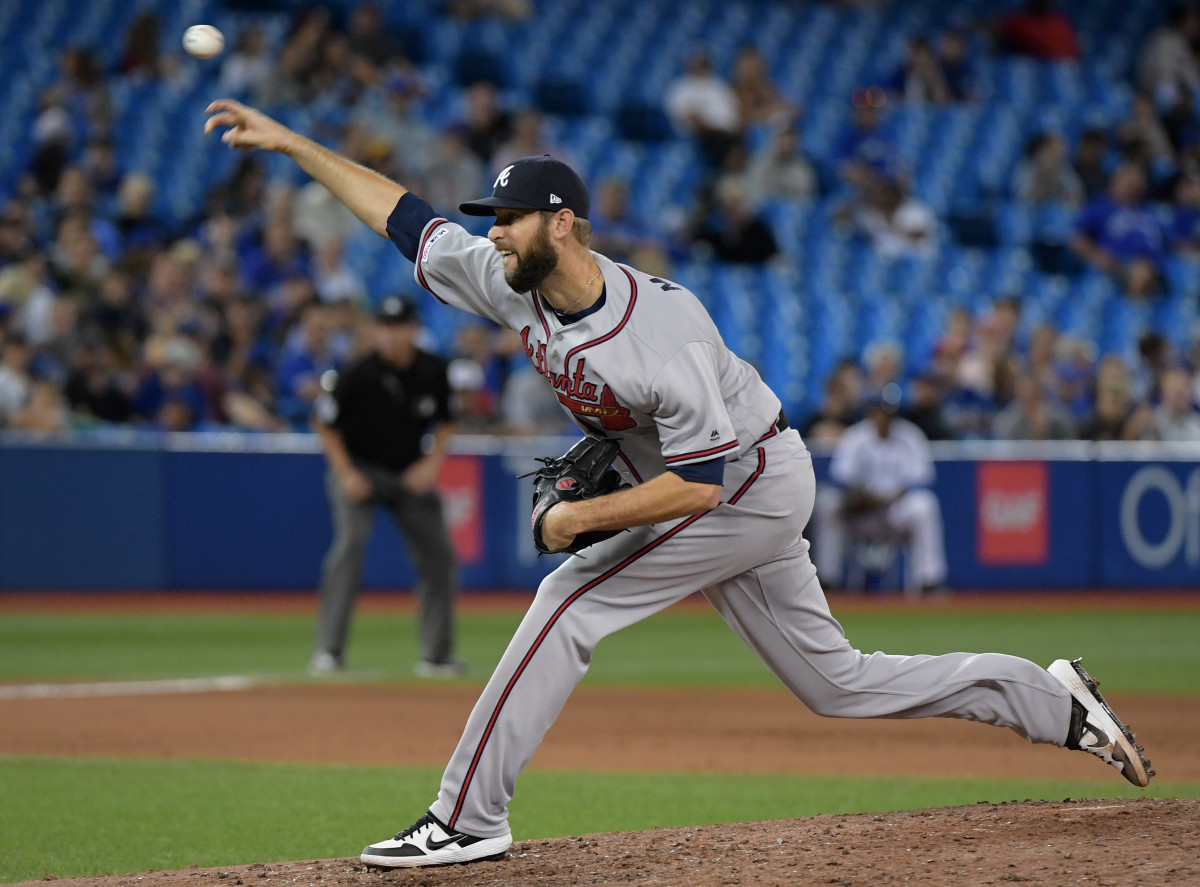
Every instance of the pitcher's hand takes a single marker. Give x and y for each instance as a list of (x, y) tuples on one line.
[(247, 128)]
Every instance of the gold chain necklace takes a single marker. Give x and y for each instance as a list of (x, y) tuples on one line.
[(587, 289)]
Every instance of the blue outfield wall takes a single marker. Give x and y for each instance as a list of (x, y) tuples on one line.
[(1151, 520), (1070, 540), (80, 518), (249, 512)]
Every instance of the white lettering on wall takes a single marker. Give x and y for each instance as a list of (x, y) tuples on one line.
[(1005, 511), (1183, 511)]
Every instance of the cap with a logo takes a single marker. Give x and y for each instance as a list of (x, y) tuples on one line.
[(534, 183), (396, 310)]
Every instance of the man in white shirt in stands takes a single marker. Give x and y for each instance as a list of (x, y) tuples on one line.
[(879, 485), (1176, 418), (702, 103)]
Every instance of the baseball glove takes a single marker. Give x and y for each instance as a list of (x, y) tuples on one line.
[(582, 472)]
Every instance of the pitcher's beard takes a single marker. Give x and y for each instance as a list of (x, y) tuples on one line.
[(535, 266)]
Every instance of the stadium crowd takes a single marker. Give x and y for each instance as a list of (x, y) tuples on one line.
[(111, 315)]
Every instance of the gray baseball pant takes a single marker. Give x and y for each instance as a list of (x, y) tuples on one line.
[(748, 558), (420, 520)]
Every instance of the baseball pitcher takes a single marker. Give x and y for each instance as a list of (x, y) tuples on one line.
[(718, 492)]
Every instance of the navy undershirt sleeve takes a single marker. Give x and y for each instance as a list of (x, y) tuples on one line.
[(710, 472), (407, 221)]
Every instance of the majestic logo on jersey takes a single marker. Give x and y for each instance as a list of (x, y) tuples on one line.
[(577, 394), (502, 179)]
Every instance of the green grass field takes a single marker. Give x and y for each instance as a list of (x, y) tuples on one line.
[(1152, 651), (75, 817)]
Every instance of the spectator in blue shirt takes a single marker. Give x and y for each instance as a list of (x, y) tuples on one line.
[(305, 356), (280, 257), (169, 396), (863, 152), (1120, 235)]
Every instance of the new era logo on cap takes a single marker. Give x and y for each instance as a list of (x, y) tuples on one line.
[(534, 183)]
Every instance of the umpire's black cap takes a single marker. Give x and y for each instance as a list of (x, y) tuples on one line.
[(396, 310), (534, 183)]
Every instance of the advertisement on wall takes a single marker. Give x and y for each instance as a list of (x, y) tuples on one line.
[(1018, 522), (1012, 521), (255, 516), (1150, 533), (460, 482)]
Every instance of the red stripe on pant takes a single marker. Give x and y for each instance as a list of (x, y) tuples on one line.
[(608, 574), (576, 595), (755, 475)]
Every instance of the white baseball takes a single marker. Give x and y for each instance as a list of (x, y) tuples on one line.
[(203, 41)]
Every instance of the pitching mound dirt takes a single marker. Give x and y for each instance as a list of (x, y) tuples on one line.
[(1118, 843)]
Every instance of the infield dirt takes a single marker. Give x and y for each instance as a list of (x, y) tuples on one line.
[(1119, 843), (1115, 843)]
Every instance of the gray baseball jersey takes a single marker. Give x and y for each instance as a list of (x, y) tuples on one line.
[(650, 369)]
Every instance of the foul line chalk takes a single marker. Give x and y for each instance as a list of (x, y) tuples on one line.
[(127, 688)]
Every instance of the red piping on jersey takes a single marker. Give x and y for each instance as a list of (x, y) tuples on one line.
[(537, 304), (578, 348), (420, 254), (755, 475), (712, 451), (610, 333), (770, 434), (629, 465), (608, 574)]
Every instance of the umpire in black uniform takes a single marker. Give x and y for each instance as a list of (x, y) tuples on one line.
[(372, 422)]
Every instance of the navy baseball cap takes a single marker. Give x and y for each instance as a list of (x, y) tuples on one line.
[(534, 183)]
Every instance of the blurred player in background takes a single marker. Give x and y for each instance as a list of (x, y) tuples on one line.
[(372, 420), (880, 479)]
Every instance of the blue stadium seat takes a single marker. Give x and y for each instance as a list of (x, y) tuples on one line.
[(1182, 275), (600, 70), (477, 63), (1122, 323), (1014, 223), (562, 95), (643, 122), (1177, 317)]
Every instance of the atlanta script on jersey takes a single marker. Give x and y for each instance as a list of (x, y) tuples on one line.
[(649, 368)]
